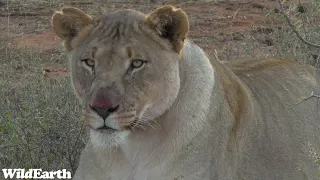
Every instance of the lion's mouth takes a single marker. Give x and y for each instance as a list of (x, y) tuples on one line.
[(107, 128)]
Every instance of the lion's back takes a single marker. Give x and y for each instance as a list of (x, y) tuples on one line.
[(285, 128)]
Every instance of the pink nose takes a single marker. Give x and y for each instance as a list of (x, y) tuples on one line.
[(103, 107), (102, 103)]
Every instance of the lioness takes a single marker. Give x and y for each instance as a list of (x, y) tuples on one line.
[(158, 109)]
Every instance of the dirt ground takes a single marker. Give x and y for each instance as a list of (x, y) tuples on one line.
[(216, 26)]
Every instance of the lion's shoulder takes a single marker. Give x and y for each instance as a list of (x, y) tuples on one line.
[(276, 81)]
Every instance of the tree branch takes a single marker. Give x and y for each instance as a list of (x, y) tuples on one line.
[(294, 28)]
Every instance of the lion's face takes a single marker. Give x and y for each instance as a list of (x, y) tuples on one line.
[(125, 68), (131, 77)]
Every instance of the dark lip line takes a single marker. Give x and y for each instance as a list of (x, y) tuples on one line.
[(104, 127)]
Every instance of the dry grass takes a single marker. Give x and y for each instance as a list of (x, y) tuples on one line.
[(276, 39), (40, 124), (288, 45)]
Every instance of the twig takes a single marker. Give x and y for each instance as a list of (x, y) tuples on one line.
[(235, 14), (314, 94), (216, 54), (301, 101), (294, 28)]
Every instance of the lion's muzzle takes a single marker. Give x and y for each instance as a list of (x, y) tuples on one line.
[(103, 111)]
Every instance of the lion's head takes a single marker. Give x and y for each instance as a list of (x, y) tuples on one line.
[(124, 66)]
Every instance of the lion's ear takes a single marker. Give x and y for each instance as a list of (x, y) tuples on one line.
[(68, 22), (170, 23)]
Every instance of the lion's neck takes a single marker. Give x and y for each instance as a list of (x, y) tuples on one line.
[(184, 120)]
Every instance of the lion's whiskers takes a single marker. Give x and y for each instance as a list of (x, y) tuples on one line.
[(151, 120), (146, 121), (136, 123)]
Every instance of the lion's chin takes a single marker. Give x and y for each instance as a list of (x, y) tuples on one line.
[(104, 138)]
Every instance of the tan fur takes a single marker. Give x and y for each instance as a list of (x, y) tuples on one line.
[(67, 24), (169, 19), (181, 116)]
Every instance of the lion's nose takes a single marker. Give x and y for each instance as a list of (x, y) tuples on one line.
[(103, 109)]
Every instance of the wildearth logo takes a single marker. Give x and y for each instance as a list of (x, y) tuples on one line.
[(35, 174)]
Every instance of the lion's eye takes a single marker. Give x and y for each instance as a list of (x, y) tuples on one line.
[(89, 62), (137, 63)]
